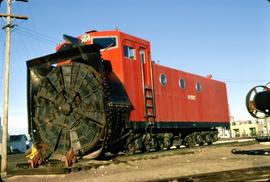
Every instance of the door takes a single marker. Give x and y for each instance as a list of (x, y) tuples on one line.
[(147, 82)]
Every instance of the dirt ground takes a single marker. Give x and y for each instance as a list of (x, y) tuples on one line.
[(203, 160)]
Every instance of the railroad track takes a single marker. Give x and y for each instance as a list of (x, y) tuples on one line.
[(248, 174), (56, 167)]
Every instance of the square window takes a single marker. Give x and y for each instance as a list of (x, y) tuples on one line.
[(129, 52), (126, 53)]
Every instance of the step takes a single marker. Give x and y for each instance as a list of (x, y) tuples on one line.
[(150, 115), (149, 97), (146, 87)]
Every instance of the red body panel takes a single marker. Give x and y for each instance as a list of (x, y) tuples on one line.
[(176, 104), (172, 104)]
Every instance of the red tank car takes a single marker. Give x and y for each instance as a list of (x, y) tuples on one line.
[(139, 105)]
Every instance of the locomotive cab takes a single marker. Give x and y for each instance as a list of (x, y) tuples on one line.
[(129, 58)]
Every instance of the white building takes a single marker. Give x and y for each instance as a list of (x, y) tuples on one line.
[(223, 132), (250, 128)]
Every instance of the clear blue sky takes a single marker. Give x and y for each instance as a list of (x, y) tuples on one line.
[(229, 39)]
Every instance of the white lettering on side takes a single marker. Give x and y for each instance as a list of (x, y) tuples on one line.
[(191, 97)]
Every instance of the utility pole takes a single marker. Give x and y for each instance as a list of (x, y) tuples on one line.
[(7, 27)]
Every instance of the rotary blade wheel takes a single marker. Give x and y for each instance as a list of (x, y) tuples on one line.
[(69, 109)]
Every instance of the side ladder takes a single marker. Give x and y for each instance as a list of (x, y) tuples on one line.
[(148, 88), (149, 104)]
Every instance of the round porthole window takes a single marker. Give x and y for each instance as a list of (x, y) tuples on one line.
[(163, 79), (182, 83), (198, 87)]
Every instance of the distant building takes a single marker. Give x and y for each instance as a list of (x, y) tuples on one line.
[(223, 132), (249, 128), (17, 143)]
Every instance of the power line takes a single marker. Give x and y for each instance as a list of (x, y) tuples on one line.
[(22, 45), (30, 31), (228, 80), (247, 81), (34, 37)]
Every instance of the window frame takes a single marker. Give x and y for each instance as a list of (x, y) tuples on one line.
[(198, 87), (109, 36), (142, 51), (180, 83), (129, 48), (161, 82)]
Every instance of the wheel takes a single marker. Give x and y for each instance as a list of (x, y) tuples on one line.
[(199, 139), (215, 137), (130, 148), (209, 138), (168, 140), (161, 145), (177, 140), (147, 148), (189, 141), (159, 142), (156, 145), (148, 142)]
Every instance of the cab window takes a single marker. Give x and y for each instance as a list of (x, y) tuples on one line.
[(129, 52), (142, 55), (105, 42)]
